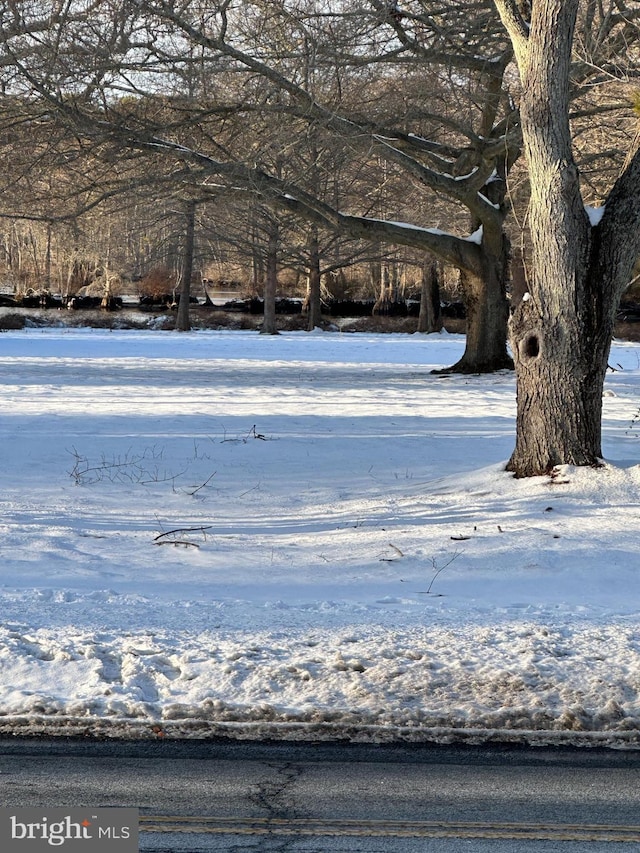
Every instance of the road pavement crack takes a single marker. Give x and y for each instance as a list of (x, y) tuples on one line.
[(274, 796)]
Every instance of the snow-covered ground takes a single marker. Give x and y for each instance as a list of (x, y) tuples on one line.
[(307, 535)]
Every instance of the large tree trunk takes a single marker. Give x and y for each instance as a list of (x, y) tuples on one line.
[(485, 300), (561, 329), (561, 360), (556, 333)]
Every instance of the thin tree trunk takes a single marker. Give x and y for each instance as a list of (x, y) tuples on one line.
[(47, 258), (313, 301), (381, 305), (430, 316), (183, 320), (269, 325), (257, 263)]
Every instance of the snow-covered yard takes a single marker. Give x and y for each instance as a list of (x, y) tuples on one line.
[(307, 535)]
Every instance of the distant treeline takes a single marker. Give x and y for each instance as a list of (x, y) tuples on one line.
[(255, 305)]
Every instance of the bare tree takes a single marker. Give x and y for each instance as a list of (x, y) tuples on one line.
[(139, 47), (469, 167), (581, 259), (183, 322)]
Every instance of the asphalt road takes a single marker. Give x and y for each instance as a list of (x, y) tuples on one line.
[(201, 796)]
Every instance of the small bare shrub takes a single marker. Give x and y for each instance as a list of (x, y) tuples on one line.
[(10, 322), (157, 282)]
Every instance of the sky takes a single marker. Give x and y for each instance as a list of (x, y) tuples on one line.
[(306, 536)]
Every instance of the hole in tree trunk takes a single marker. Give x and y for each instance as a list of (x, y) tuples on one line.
[(530, 347)]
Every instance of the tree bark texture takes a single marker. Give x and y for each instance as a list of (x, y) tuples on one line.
[(485, 300), (562, 327)]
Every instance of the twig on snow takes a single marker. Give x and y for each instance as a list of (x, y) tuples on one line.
[(182, 530)]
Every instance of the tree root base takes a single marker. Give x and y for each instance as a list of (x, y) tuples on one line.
[(466, 366)]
